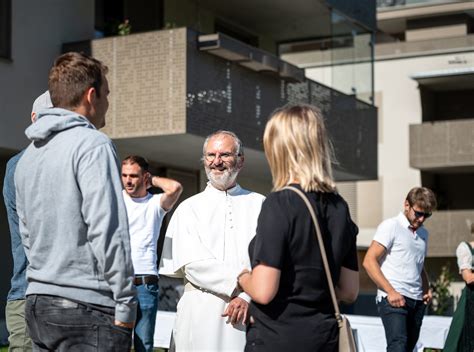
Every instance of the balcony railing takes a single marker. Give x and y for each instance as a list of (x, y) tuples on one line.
[(442, 145), (393, 3), (447, 229), (166, 91)]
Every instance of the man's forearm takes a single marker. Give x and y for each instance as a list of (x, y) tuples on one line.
[(172, 190), (168, 185)]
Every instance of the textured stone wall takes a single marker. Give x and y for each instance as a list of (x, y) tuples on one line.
[(443, 144), (447, 229), (147, 80)]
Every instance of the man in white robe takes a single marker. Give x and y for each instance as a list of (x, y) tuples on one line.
[(207, 244)]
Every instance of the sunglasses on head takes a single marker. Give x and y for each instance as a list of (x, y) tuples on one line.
[(419, 214)]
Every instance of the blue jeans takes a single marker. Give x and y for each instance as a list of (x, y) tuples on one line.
[(402, 325), (58, 324), (146, 316)]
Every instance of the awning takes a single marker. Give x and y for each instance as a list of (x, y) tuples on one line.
[(446, 79)]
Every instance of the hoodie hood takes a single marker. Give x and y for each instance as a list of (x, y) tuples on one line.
[(41, 103), (51, 121)]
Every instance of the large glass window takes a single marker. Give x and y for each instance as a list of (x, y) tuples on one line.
[(342, 58), (5, 28), (352, 59)]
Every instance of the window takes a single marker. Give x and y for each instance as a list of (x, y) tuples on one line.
[(5, 28), (143, 15)]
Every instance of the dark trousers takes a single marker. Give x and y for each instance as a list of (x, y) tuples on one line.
[(402, 325), (58, 324)]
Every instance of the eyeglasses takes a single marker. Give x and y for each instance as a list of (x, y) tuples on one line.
[(210, 157), (419, 214)]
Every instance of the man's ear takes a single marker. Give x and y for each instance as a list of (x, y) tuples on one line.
[(90, 95), (406, 205), (33, 117), (241, 162), (148, 179)]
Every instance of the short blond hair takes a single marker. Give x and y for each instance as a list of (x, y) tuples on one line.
[(297, 148)]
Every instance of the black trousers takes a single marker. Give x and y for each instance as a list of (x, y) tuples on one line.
[(58, 324)]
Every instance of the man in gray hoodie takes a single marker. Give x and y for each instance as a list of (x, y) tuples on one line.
[(73, 221), (18, 337)]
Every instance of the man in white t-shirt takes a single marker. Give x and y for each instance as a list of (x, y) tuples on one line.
[(395, 262), (145, 214)]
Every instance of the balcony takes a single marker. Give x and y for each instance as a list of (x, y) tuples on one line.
[(406, 9), (444, 146), (447, 229), (169, 90)]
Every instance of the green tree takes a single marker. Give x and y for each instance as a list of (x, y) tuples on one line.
[(442, 299)]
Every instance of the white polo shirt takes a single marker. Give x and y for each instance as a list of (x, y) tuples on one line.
[(145, 216), (406, 251)]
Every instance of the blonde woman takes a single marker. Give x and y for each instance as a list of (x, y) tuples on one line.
[(291, 308)]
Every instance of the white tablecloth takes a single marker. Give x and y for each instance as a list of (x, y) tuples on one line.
[(163, 329), (371, 335)]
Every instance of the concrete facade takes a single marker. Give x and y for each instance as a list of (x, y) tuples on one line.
[(442, 145), (147, 80), (448, 229), (153, 90), (39, 28)]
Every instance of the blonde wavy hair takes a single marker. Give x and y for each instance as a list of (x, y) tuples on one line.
[(298, 149)]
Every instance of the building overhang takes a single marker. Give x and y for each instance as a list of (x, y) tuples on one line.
[(285, 21), (447, 229), (184, 151), (442, 146), (167, 95), (447, 79), (230, 49), (393, 19), (301, 19)]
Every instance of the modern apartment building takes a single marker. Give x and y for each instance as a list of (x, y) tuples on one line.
[(424, 87), (188, 68)]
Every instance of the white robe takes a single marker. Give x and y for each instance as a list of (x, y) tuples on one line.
[(207, 244)]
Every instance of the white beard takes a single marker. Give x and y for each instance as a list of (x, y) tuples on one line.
[(224, 180)]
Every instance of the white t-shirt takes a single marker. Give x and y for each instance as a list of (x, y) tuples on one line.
[(145, 216), (464, 256), (406, 251)]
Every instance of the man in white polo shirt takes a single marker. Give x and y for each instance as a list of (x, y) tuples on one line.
[(145, 214), (395, 262)]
